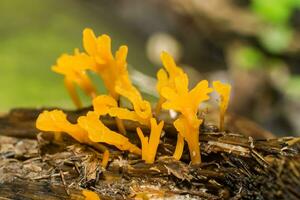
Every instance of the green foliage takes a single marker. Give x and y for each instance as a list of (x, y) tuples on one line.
[(275, 11), (293, 87), (276, 39), (33, 34), (249, 58)]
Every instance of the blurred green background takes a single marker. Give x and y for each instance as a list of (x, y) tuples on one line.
[(253, 44), (34, 34)]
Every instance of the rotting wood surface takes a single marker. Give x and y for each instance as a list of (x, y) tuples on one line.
[(234, 166)]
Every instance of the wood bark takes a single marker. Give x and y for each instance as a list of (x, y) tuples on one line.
[(234, 166)]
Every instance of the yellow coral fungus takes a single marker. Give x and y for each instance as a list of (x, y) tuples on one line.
[(103, 103), (56, 121), (74, 67), (107, 66), (223, 90), (98, 132), (89, 129), (141, 107), (190, 132), (179, 146), (105, 158), (186, 102), (172, 87), (141, 113), (107, 105), (110, 68), (166, 78), (149, 145), (90, 195), (99, 59)]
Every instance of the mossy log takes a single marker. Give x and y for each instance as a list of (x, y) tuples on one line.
[(234, 166)]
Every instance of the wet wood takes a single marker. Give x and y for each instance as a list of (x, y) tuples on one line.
[(22, 189), (234, 167)]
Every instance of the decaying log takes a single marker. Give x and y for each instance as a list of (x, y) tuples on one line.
[(21, 123), (234, 167), (20, 189)]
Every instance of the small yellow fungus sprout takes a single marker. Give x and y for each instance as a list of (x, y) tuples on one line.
[(150, 145), (90, 195), (105, 158), (73, 67), (166, 77), (186, 102), (223, 90)]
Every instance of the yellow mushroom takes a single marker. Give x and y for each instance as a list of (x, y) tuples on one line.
[(180, 99), (110, 68), (141, 113), (150, 144), (90, 195), (166, 77), (223, 90), (99, 59), (56, 121), (89, 130), (74, 67), (172, 86), (98, 132)]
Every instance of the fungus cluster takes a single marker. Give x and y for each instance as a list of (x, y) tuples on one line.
[(172, 86)]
